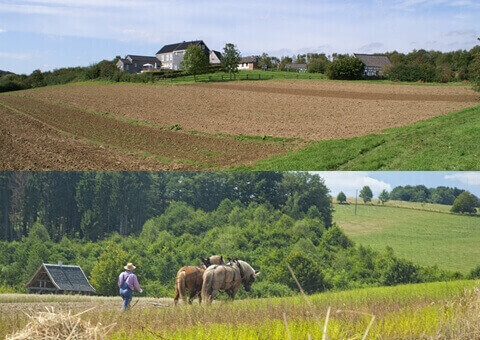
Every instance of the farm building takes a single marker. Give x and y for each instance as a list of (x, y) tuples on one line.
[(374, 63), (172, 55), (138, 63), (215, 58), (248, 63), (59, 279), (297, 67)]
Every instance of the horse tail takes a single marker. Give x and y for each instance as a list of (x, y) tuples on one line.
[(180, 286), (207, 285)]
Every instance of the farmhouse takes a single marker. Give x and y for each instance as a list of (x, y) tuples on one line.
[(215, 58), (298, 67), (248, 63), (59, 279), (374, 63), (172, 55), (138, 63)]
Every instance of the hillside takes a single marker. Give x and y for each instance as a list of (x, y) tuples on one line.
[(403, 312), (424, 237), (2, 73), (448, 142)]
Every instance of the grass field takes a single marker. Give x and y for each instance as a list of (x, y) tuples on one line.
[(424, 237), (434, 310), (449, 142)]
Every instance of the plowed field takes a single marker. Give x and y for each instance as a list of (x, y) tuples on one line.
[(125, 126), (43, 135), (301, 109)]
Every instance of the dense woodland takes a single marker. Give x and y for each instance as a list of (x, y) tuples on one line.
[(162, 221), (91, 205)]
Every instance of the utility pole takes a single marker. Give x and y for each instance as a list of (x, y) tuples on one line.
[(356, 193)]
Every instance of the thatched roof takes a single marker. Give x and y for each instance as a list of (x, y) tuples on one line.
[(374, 60)]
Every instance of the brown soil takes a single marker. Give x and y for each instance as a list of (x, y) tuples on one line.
[(303, 109), (32, 141), (27, 144)]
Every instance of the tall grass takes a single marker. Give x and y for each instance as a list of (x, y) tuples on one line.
[(403, 312)]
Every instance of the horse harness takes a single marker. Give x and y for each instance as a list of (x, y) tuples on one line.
[(242, 273)]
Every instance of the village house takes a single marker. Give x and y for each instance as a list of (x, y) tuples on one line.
[(138, 63), (375, 64), (59, 279), (248, 63), (215, 58), (301, 68), (171, 55)]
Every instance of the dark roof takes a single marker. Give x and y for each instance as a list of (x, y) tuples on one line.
[(251, 59), (142, 59), (218, 54), (179, 46), (374, 60), (296, 66), (66, 277)]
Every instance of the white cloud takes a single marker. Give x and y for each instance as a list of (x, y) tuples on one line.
[(2, 30), (470, 178), (19, 56), (349, 181)]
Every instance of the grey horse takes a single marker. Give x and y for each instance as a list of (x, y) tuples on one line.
[(228, 277)]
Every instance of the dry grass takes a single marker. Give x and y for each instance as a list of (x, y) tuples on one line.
[(442, 310), (53, 325)]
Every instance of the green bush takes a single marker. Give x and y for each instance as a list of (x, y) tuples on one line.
[(465, 203), (348, 68), (104, 277), (474, 273), (318, 66), (307, 271)]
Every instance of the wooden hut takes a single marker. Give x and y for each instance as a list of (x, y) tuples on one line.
[(59, 279)]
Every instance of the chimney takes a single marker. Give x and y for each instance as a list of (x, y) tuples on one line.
[(60, 263)]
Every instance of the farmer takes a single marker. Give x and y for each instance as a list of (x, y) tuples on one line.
[(127, 281)]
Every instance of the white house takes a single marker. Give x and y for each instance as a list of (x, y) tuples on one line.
[(172, 55)]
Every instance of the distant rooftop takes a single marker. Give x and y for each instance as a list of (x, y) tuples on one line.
[(182, 46), (374, 60)]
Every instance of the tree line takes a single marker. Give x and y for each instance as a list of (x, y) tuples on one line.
[(461, 200), (418, 65), (92, 205)]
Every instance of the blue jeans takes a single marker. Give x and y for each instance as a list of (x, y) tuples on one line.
[(126, 294)]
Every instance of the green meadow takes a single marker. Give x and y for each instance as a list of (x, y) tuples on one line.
[(424, 237)]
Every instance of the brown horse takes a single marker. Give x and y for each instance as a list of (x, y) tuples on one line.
[(191, 278), (228, 277)]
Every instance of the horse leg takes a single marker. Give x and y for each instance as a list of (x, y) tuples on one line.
[(175, 298), (193, 293), (231, 294), (213, 295)]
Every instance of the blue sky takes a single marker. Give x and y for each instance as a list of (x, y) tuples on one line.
[(49, 34), (349, 181)]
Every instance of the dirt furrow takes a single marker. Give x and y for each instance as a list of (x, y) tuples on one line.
[(180, 150)]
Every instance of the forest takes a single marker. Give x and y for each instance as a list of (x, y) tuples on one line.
[(162, 221)]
